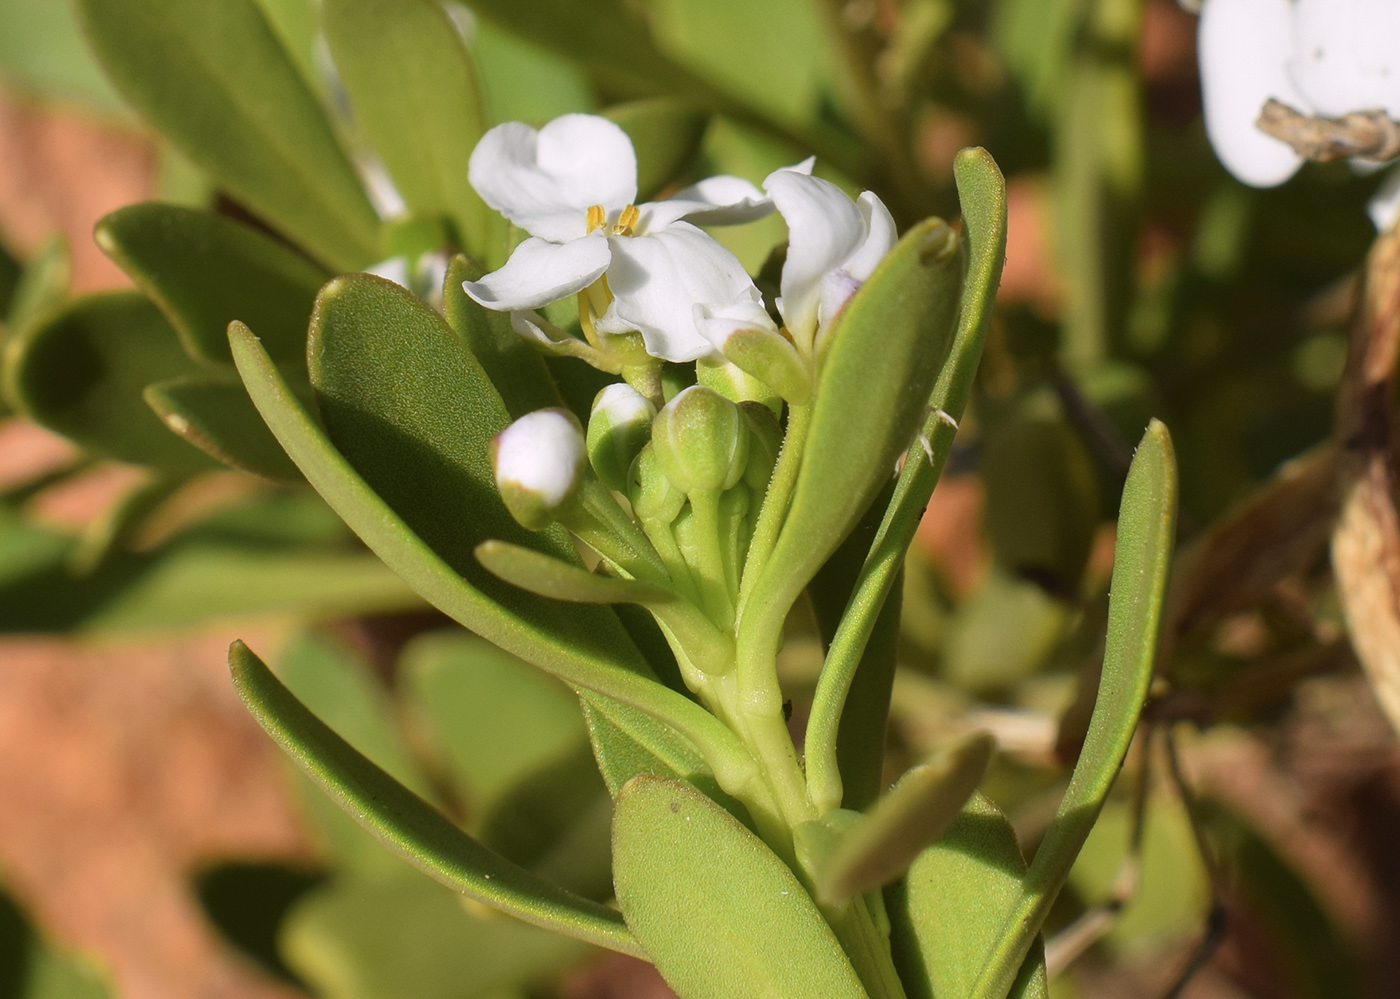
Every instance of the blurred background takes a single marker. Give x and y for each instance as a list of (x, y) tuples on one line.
[(153, 843)]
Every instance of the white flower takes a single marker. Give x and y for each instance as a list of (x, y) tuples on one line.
[(539, 464), (573, 185), (1326, 57), (834, 244)]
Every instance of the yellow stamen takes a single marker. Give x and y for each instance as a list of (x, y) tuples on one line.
[(627, 221), (596, 218)]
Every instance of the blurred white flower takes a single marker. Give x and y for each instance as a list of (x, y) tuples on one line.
[(573, 185), (1323, 57)]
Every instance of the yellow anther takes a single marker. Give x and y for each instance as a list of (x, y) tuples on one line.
[(596, 218), (627, 221)]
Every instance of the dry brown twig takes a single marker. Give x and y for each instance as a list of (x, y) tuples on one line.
[(1367, 135)]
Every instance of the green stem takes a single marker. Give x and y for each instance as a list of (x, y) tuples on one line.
[(605, 527)]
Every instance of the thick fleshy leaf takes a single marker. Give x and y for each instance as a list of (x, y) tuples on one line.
[(1142, 560), (35, 968), (515, 368), (415, 94), (42, 53), (387, 938), (666, 135), (214, 78), (884, 354), (410, 826), (555, 637), (982, 191), (949, 910), (206, 270), (921, 807), (41, 285), (215, 415), (677, 855), (549, 577), (81, 372)]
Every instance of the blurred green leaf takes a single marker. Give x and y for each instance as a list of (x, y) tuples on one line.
[(33, 968), (42, 284), (297, 25), (921, 807), (523, 81), (980, 653), (585, 659), (950, 909), (1042, 501), (408, 825), (213, 76), (677, 854), (496, 718), (516, 370), (885, 350), (248, 900), (1142, 560), (415, 95), (406, 936), (215, 415), (81, 372), (206, 270), (666, 133), (42, 51), (111, 528)]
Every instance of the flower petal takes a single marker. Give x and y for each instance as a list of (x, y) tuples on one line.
[(545, 181), (1346, 57), (825, 229), (540, 272), (658, 280), (1243, 47), (881, 236)]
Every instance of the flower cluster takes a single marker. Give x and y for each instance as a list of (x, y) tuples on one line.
[(648, 270), (1319, 57)]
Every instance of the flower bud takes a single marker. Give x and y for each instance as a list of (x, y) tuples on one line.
[(539, 464), (701, 440), (653, 496), (765, 441), (619, 426)]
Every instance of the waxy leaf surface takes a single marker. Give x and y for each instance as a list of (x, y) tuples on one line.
[(215, 415)]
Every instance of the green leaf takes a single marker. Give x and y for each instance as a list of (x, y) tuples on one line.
[(1142, 560), (666, 133), (949, 910), (884, 352), (214, 78), (360, 938), (408, 825), (982, 191), (549, 577), (515, 368), (495, 718), (108, 530), (720, 915), (415, 94), (580, 657), (42, 285), (42, 51), (205, 270), (216, 416), (523, 81), (921, 806), (81, 372)]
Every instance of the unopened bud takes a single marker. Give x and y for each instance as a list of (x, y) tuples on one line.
[(539, 464), (619, 426), (652, 494), (701, 440), (765, 441)]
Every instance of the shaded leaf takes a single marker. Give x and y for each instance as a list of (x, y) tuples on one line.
[(407, 824), (205, 270), (81, 372), (216, 416), (214, 78), (415, 94), (677, 854), (42, 284)]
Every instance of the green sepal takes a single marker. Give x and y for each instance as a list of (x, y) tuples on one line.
[(215, 414), (921, 807), (214, 78), (720, 915), (410, 826), (205, 270)]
